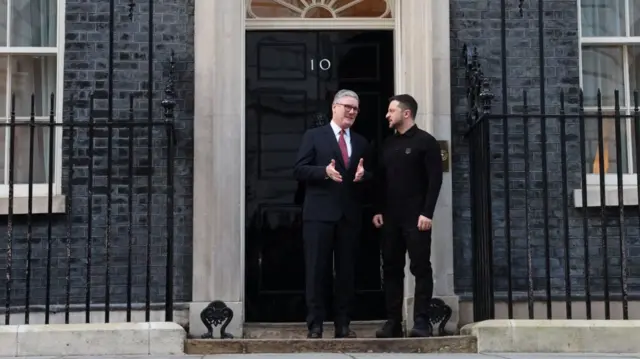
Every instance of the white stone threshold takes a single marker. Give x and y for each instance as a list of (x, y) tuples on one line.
[(155, 338)]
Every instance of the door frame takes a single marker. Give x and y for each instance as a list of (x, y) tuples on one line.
[(422, 67)]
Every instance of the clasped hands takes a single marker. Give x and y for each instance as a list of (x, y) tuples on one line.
[(337, 177), (424, 223)]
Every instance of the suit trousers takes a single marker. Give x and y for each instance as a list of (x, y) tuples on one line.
[(397, 239), (321, 240)]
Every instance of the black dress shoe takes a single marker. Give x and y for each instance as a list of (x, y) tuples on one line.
[(314, 333), (345, 332), (390, 329), (421, 328)]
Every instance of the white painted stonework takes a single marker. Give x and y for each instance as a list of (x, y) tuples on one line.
[(155, 338), (218, 220), (422, 70), (556, 336)]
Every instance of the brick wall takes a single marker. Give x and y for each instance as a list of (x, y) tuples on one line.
[(86, 70), (477, 24)]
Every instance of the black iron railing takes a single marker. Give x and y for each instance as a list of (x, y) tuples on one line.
[(88, 190), (100, 250), (554, 202)]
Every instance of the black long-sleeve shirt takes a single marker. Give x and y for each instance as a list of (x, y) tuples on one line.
[(409, 176)]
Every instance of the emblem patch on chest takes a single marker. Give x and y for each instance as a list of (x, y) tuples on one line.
[(407, 151)]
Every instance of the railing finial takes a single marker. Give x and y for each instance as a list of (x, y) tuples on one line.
[(169, 101), (520, 7), (131, 5), (479, 95)]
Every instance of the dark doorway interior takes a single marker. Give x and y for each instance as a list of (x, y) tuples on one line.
[(292, 77)]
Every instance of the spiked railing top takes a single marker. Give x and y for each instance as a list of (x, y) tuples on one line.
[(131, 5), (520, 5), (479, 95), (169, 101)]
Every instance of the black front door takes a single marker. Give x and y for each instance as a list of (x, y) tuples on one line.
[(292, 77)]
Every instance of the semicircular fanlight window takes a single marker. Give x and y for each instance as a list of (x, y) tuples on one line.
[(260, 9)]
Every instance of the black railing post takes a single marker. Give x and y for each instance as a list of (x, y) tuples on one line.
[(70, 168), (107, 235), (150, 85), (479, 100), (505, 154), (51, 164), (91, 155), (32, 129), (12, 153), (486, 237), (565, 206), (585, 208), (623, 245), (603, 208), (472, 117), (527, 167), (636, 128), (169, 104), (130, 194)]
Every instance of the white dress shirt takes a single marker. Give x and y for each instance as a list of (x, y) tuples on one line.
[(347, 136)]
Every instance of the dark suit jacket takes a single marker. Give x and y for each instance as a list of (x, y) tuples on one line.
[(325, 199)]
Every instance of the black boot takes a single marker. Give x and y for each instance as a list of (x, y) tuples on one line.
[(390, 329), (421, 328)]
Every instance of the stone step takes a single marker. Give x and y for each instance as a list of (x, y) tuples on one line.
[(364, 329), (449, 344)]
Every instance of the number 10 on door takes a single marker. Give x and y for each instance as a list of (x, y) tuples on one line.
[(323, 64)]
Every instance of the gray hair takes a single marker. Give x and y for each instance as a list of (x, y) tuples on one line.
[(345, 93)]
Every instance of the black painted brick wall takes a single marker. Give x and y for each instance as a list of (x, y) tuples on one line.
[(477, 24), (86, 70)]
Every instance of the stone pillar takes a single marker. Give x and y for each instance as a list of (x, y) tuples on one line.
[(218, 214), (424, 61), (442, 257)]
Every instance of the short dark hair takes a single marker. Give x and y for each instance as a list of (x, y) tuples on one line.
[(406, 102)]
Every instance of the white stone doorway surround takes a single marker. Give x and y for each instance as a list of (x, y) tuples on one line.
[(422, 69)]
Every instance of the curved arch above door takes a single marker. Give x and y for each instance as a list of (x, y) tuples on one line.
[(319, 14)]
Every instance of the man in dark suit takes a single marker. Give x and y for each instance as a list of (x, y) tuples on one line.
[(330, 163)]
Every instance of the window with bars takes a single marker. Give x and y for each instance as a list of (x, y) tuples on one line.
[(31, 52)]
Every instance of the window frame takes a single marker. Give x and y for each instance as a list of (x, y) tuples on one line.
[(42, 189), (611, 179)]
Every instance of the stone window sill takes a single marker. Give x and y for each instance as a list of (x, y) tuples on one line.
[(629, 196), (40, 205)]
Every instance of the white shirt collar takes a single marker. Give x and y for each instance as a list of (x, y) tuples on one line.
[(337, 129)]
